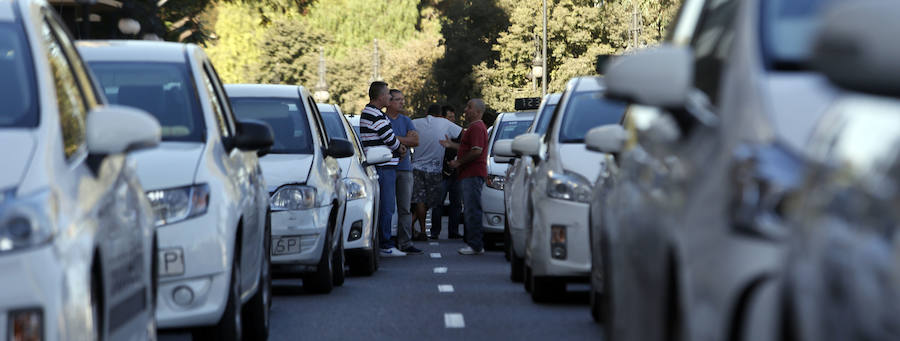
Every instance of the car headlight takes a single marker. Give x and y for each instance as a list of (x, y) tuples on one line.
[(176, 204), (356, 188), (25, 222), (293, 197), (496, 182), (568, 186)]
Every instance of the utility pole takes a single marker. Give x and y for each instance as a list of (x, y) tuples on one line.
[(376, 76), (544, 55), (636, 25)]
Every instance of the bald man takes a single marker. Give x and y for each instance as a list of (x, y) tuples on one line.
[(471, 161)]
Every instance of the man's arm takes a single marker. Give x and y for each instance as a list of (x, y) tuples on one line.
[(469, 157), (410, 140), (448, 143)]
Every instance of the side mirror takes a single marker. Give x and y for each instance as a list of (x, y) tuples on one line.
[(503, 148), (660, 77), (377, 155), (608, 138), (113, 129), (253, 135), (339, 149), (857, 55), (527, 144)]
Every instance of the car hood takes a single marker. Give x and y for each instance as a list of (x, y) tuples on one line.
[(16, 156), (576, 158), (496, 168), (280, 169), (171, 164)]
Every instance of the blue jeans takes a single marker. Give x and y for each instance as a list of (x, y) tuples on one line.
[(387, 183), (471, 193), (450, 185), (404, 217)]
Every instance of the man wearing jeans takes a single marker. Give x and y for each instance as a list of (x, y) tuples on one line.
[(406, 133), (375, 130), (472, 165)]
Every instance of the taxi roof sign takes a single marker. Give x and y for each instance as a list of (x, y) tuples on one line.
[(528, 103)]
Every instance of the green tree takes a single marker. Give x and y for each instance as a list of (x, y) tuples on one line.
[(234, 53), (288, 53)]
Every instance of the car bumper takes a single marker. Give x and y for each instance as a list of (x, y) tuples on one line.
[(494, 217), (311, 225), (574, 217), (206, 272), (359, 216)]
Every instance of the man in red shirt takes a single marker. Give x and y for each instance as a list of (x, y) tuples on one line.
[(471, 161)]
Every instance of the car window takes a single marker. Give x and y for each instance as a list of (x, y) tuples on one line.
[(18, 92), (509, 130), (711, 44), (317, 117), (788, 28), (218, 111), (544, 120), (70, 102), (586, 110), (164, 90), (79, 70), (286, 116), (333, 125), (227, 112)]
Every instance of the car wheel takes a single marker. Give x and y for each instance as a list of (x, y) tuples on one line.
[(545, 289), (517, 268), (338, 271), (229, 326), (321, 281), (256, 313)]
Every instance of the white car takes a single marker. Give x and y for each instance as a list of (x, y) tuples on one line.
[(361, 180), (517, 186), (304, 180), (76, 232), (506, 127), (558, 248), (204, 182)]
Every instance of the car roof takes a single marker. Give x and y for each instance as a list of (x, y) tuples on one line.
[(132, 50), (263, 90), (553, 98), (328, 107), (590, 83), (517, 116), (6, 11)]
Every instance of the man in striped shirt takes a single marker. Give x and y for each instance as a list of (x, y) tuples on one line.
[(375, 130)]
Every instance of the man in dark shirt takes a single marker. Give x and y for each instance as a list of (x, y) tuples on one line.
[(450, 186), (471, 162)]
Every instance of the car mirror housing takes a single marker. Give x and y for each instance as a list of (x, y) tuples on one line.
[(253, 135), (378, 155), (113, 129), (608, 138), (660, 77), (857, 55), (527, 144), (339, 149), (503, 148)]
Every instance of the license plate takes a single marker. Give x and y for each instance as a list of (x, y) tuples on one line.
[(285, 245), (171, 262)]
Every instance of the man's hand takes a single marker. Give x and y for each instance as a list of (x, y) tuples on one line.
[(402, 150), (448, 143), (454, 164)]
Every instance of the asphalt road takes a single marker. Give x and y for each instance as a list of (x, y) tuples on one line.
[(409, 298)]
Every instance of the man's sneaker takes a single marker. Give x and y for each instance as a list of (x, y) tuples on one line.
[(392, 252), (469, 251), (411, 250)]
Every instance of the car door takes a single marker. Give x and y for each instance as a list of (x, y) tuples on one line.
[(331, 165)]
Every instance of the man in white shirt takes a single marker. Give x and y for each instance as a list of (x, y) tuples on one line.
[(428, 160)]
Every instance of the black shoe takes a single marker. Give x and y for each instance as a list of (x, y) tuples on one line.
[(411, 250), (455, 236), (420, 237)]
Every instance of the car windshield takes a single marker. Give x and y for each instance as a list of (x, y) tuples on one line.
[(544, 119), (17, 85), (587, 110), (510, 129), (286, 116), (788, 29), (333, 125), (164, 90)]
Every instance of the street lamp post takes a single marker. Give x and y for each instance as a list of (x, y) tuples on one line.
[(321, 90), (544, 56), (537, 67)]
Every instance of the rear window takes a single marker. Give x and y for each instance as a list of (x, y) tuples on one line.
[(165, 90), (586, 110), (286, 116), (17, 86)]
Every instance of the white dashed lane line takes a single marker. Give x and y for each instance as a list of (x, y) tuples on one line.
[(440, 270), (435, 255), (434, 243), (445, 288), (454, 320)]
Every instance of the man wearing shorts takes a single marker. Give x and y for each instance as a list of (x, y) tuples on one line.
[(428, 162)]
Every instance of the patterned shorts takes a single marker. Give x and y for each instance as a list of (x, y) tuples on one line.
[(427, 187)]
